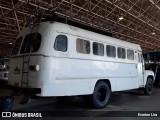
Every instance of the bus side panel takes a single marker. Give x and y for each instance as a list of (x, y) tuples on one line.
[(113, 69), (63, 78), (122, 76)]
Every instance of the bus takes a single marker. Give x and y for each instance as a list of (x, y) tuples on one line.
[(59, 59)]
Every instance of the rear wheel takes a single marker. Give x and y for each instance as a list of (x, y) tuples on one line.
[(101, 95), (149, 87)]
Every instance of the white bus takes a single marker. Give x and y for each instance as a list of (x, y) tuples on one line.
[(68, 61)]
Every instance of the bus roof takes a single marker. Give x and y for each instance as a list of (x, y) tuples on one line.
[(86, 34)]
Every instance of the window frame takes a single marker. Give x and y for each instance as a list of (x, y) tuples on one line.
[(54, 46), (86, 49), (114, 50), (132, 55), (97, 48), (121, 52)]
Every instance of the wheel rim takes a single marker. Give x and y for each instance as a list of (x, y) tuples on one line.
[(102, 95)]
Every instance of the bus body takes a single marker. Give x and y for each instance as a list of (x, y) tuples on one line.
[(67, 61)]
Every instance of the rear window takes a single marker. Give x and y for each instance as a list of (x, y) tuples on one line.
[(17, 46), (31, 41)]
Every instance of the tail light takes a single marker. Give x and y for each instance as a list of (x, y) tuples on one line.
[(34, 67)]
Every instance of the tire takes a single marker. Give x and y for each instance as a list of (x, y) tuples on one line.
[(101, 95), (148, 90)]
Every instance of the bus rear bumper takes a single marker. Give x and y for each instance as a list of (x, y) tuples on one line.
[(25, 90)]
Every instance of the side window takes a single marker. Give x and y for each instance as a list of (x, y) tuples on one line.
[(121, 53), (17, 46), (61, 43), (111, 51), (130, 54), (139, 57), (98, 49), (83, 46)]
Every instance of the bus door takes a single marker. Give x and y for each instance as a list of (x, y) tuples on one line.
[(140, 68)]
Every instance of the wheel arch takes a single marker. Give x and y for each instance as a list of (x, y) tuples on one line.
[(150, 76), (146, 78), (107, 81)]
